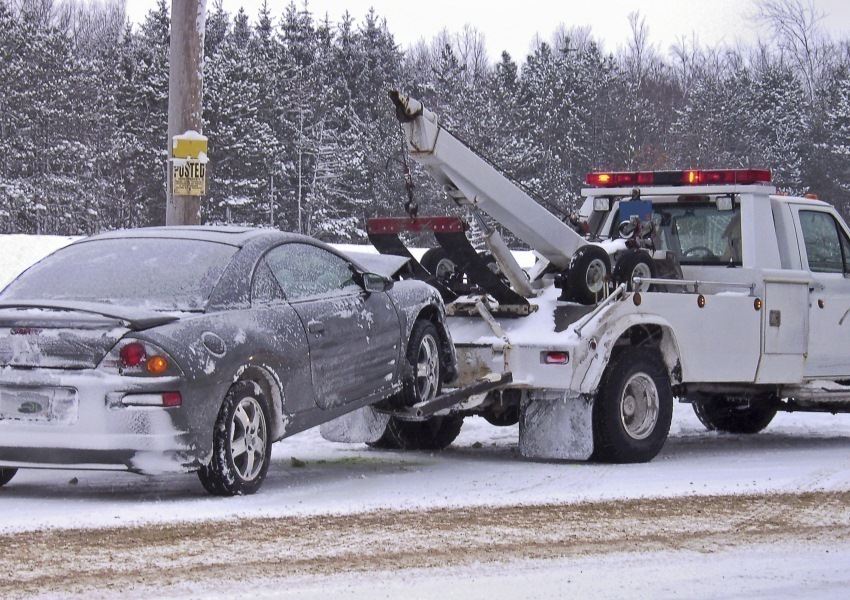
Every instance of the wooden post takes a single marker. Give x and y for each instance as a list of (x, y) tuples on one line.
[(185, 94)]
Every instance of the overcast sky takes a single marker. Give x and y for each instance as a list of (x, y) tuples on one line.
[(512, 26)]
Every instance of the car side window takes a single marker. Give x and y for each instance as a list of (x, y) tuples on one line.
[(303, 270), (827, 246), (265, 288)]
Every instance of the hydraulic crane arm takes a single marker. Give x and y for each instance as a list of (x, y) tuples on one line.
[(470, 180)]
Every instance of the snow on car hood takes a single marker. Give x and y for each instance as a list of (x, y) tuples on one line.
[(385, 265)]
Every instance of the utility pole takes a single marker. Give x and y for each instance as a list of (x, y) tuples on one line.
[(185, 93)]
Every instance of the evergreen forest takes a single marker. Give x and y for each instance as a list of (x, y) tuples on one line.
[(303, 137)]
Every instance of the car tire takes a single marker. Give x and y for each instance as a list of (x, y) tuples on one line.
[(634, 263), (633, 408), (426, 361), (241, 443), (589, 268), (722, 414), (6, 475)]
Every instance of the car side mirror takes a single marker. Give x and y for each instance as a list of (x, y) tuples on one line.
[(373, 283)]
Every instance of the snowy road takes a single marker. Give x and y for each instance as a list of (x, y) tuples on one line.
[(474, 521)]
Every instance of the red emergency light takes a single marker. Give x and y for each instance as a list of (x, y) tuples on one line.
[(690, 177)]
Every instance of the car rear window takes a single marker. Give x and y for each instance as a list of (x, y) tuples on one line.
[(157, 273)]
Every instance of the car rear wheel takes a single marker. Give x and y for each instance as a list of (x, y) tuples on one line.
[(241, 443), (6, 476), (426, 361)]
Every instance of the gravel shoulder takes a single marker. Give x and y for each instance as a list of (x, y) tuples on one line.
[(136, 560)]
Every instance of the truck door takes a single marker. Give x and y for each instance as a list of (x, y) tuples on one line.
[(825, 251)]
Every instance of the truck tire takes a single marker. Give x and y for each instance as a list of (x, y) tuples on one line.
[(242, 443), (724, 414), (423, 355), (436, 433), (6, 475), (589, 269), (634, 263), (633, 408)]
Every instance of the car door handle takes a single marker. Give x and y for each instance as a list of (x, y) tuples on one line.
[(315, 327)]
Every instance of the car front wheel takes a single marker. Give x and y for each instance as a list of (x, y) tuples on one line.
[(241, 443), (425, 359)]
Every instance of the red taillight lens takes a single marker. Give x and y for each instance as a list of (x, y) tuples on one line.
[(132, 354), (556, 358), (171, 399)]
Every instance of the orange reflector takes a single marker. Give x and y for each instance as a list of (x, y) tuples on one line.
[(157, 365), (701, 301), (821, 303), (637, 299), (757, 304), (556, 358)]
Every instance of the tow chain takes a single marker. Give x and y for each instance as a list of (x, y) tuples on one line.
[(411, 207)]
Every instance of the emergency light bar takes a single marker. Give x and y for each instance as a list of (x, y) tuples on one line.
[(714, 177)]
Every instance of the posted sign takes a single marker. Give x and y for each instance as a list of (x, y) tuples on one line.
[(189, 178), (189, 164)]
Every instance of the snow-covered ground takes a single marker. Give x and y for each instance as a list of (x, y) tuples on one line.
[(798, 453)]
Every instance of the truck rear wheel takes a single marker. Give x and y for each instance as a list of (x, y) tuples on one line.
[(589, 269), (734, 416), (633, 409)]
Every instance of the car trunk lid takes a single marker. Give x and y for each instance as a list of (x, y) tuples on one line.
[(67, 337)]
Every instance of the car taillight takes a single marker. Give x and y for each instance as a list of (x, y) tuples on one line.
[(132, 354), (140, 358), (157, 365)]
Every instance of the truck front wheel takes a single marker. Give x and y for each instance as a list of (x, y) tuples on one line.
[(633, 409), (734, 416)]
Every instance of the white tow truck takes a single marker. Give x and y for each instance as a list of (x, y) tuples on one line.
[(723, 294)]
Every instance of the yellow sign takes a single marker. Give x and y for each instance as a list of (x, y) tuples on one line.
[(189, 147), (189, 164), (190, 178)]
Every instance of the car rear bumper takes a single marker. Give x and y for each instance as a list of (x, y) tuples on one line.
[(82, 420)]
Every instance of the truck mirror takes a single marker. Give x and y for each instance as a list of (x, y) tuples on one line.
[(601, 204), (724, 203)]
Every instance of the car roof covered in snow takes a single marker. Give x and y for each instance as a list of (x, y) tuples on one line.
[(230, 235)]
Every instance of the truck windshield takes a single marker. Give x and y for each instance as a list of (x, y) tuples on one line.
[(699, 234)]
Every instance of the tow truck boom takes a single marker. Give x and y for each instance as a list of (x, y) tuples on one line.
[(471, 181)]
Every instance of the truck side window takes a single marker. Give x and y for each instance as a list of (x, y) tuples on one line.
[(827, 246)]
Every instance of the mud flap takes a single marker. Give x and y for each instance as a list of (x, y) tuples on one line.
[(556, 424), (361, 426)]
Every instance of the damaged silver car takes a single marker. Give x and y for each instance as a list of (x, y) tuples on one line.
[(194, 348)]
